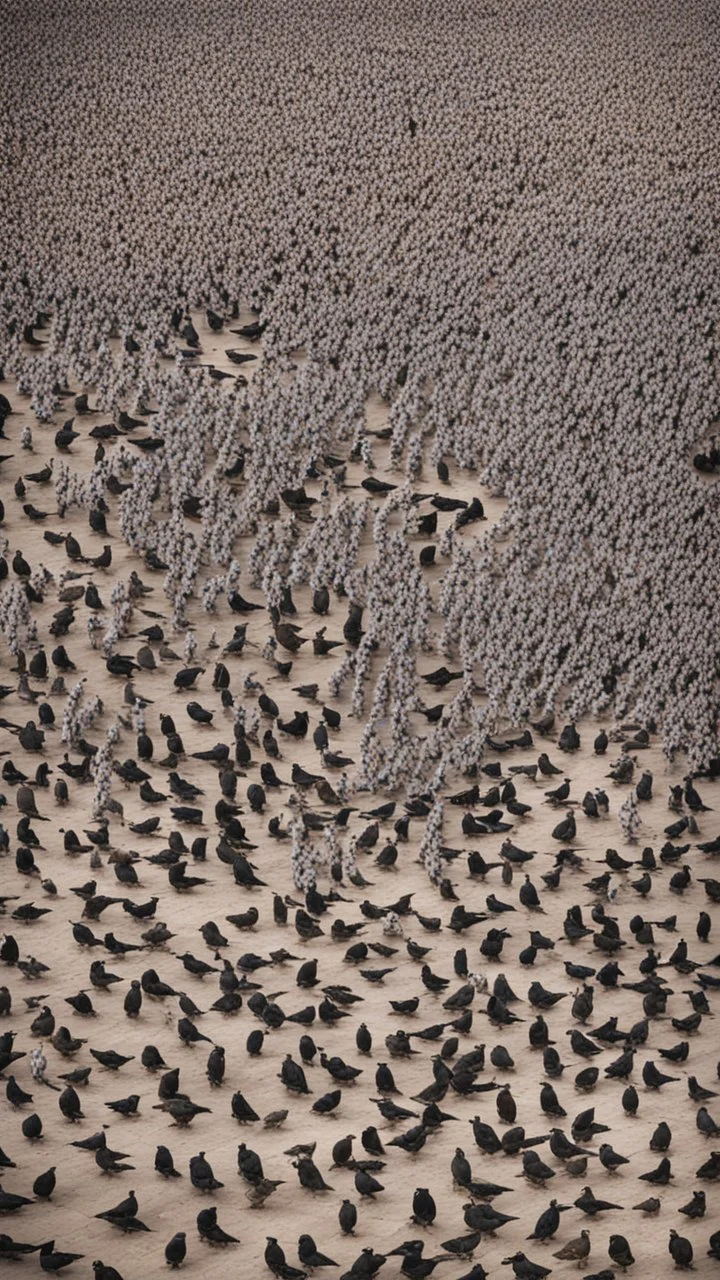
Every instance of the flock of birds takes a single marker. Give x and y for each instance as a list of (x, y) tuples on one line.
[(210, 903), (358, 689), (470, 212)]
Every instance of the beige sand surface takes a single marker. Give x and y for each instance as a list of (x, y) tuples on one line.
[(167, 1207)]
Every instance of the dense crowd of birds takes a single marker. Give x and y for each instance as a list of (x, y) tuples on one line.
[(199, 786), (468, 211), (358, 421)]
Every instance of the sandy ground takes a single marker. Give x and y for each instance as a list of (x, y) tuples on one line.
[(167, 1207)]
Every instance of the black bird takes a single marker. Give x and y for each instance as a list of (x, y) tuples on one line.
[(276, 1262), (310, 1256), (44, 1184), (524, 1268), (681, 1251), (347, 1217), (591, 1205), (201, 1174), (176, 1250), (660, 1176), (366, 1185), (209, 1230), (696, 1207), (619, 1252), (655, 1079), (309, 1175), (661, 1137), (424, 1209), (164, 1164), (53, 1261)]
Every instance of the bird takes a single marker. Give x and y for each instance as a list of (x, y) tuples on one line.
[(619, 1252), (54, 1261), (309, 1176), (276, 1261), (681, 1251), (610, 1159), (210, 1230), (201, 1174), (310, 1256), (696, 1207), (164, 1163), (577, 1250), (176, 1250), (591, 1205), (524, 1268), (548, 1222), (366, 1185)]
